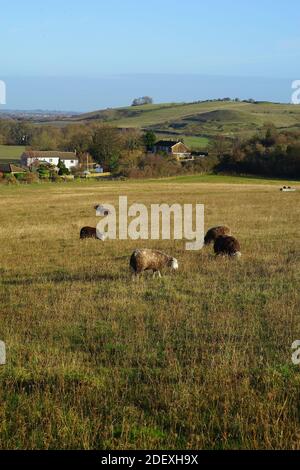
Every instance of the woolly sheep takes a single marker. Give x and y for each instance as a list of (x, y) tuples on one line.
[(101, 210), (215, 232), (147, 259), (91, 232), (227, 245)]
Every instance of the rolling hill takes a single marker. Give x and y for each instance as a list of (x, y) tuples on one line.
[(196, 122)]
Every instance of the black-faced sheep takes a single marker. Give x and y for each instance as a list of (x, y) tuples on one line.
[(88, 232), (226, 245), (101, 210), (215, 232), (154, 260), (91, 232)]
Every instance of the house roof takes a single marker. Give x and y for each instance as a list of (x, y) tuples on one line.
[(50, 154), (167, 143), (11, 168), (38, 163)]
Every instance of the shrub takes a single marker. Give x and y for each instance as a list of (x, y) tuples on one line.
[(10, 179), (19, 176), (56, 178), (30, 178)]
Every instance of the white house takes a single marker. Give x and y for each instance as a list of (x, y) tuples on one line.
[(29, 157)]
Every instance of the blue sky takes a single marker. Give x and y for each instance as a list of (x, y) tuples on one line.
[(103, 40)]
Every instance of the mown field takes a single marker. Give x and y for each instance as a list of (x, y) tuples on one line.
[(198, 359)]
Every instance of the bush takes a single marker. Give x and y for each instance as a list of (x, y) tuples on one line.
[(19, 176), (10, 179), (55, 178), (30, 178)]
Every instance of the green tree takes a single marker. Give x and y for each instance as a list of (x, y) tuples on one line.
[(20, 133), (62, 170), (106, 147), (149, 139)]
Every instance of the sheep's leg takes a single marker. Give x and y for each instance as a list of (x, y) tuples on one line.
[(134, 275), (159, 275)]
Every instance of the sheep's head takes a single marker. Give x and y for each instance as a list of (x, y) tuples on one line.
[(174, 263)]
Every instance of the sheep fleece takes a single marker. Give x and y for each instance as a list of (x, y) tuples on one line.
[(226, 245), (145, 259), (214, 232), (88, 232)]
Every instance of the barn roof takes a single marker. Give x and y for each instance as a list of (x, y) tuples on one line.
[(50, 154), (10, 168)]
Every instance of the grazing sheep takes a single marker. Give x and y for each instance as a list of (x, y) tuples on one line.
[(147, 259), (215, 232), (226, 245), (91, 232), (101, 210), (88, 232), (287, 189)]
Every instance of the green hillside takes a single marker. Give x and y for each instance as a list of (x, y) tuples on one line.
[(283, 115), (198, 122)]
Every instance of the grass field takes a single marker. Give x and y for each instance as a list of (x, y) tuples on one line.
[(195, 142), (11, 153), (198, 359)]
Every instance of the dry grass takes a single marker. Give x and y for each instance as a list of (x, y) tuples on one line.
[(198, 359)]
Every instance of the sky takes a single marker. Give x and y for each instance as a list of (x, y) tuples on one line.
[(83, 55)]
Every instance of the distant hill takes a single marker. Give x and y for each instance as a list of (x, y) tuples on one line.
[(196, 122), (203, 118), (222, 112)]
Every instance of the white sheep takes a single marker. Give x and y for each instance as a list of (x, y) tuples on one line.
[(146, 259)]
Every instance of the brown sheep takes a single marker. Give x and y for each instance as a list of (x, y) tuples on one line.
[(226, 245), (215, 232), (154, 260), (91, 232), (88, 232)]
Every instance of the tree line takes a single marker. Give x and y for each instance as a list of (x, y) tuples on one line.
[(271, 153)]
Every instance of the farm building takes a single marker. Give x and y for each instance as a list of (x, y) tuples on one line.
[(176, 149), (52, 157), (11, 169)]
